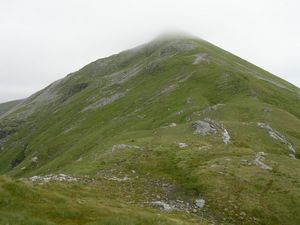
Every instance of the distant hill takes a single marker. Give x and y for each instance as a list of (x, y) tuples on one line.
[(5, 107)]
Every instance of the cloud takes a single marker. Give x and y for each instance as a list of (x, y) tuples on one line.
[(42, 41)]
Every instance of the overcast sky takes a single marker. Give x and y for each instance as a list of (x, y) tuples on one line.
[(44, 40)]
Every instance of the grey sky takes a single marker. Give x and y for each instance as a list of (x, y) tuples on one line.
[(41, 41)]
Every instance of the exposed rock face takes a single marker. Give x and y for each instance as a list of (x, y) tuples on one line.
[(51, 177), (203, 128), (209, 127), (260, 157), (278, 136)]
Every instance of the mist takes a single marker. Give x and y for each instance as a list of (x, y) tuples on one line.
[(42, 41)]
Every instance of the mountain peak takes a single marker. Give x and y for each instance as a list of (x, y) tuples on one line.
[(175, 35), (179, 118)]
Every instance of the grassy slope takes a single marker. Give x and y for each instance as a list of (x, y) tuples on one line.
[(65, 139), (22, 203)]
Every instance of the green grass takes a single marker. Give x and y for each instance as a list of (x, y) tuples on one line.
[(80, 203), (67, 139)]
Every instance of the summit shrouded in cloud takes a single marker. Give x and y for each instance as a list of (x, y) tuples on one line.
[(42, 41), (149, 112)]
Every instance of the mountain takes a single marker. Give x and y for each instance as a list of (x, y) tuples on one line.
[(175, 131), (6, 106)]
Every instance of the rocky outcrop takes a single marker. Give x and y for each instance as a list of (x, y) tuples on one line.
[(259, 161), (280, 137), (51, 177), (210, 127), (203, 128)]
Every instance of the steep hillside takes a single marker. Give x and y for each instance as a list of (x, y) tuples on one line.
[(178, 123)]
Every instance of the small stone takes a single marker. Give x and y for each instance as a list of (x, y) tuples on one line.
[(34, 159), (189, 100), (225, 136), (243, 214), (80, 202), (182, 145), (200, 203), (172, 125)]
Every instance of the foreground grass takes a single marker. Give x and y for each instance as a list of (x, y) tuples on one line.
[(23, 203)]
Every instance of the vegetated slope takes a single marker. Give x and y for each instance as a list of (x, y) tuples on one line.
[(6, 106), (178, 114), (77, 203)]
